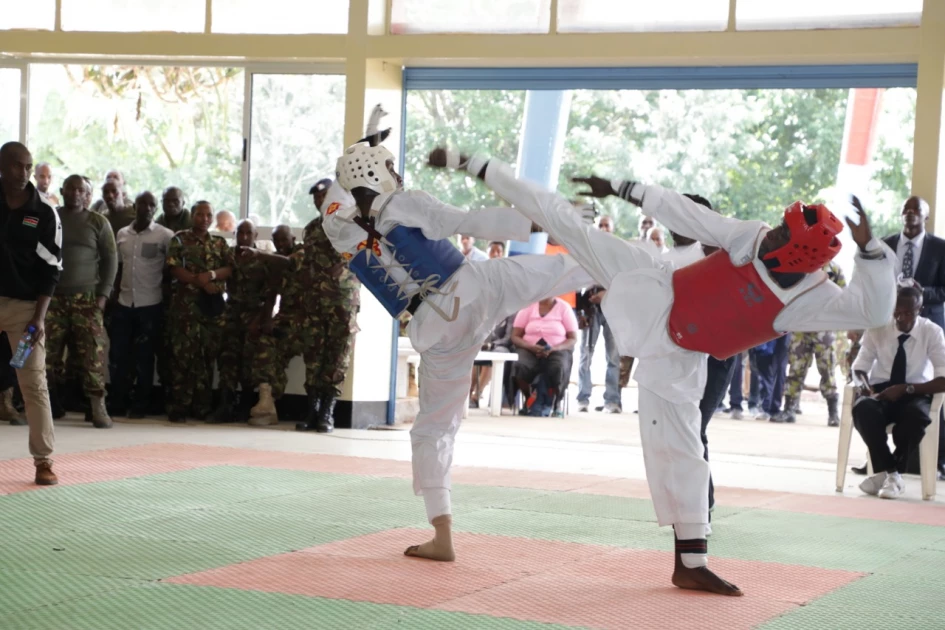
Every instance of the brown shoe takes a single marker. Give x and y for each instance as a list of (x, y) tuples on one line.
[(45, 475)]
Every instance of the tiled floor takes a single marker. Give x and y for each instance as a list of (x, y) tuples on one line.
[(184, 534)]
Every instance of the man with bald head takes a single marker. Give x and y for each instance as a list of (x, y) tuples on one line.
[(43, 177), (119, 213), (30, 264), (176, 216), (138, 316), (922, 257)]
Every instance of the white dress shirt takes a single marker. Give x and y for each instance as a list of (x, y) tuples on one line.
[(142, 255), (476, 255), (917, 244), (925, 352)]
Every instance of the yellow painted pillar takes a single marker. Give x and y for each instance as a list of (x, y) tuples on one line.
[(928, 171), (364, 401)]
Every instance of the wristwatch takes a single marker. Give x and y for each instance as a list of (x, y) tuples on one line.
[(910, 389)]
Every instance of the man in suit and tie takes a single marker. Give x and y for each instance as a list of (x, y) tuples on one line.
[(921, 256)]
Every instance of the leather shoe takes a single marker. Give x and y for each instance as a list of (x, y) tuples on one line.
[(45, 475), (859, 470)]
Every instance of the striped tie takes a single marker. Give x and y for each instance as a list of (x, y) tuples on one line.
[(907, 260)]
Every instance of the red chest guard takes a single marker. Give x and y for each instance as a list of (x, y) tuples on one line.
[(722, 309)]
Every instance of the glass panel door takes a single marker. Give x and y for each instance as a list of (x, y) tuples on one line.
[(296, 132)]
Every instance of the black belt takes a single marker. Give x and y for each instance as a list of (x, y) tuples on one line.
[(415, 303)]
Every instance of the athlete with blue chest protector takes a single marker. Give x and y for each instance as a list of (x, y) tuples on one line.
[(397, 244)]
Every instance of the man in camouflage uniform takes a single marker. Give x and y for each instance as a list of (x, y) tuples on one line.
[(318, 305), (75, 316), (803, 347), (248, 295), (200, 263)]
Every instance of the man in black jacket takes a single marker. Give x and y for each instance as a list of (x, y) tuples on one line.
[(922, 257), (30, 262)]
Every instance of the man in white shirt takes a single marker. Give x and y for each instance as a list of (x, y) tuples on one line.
[(769, 283), (469, 249), (43, 176), (899, 367), (137, 318)]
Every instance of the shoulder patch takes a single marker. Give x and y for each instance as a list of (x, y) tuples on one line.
[(31, 221), (332, 208)]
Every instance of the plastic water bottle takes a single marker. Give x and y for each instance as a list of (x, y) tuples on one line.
[(24, 348)]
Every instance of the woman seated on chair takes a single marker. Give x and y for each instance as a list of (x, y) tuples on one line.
[(544, 335)]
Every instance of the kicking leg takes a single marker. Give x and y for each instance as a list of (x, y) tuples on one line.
[(602, 254)]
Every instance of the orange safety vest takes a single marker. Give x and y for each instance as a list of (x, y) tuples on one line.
[(722, 309)]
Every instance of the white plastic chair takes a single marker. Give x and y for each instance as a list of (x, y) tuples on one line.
[(928, 448)]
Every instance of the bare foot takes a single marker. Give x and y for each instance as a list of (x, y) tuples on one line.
[(441, 547), (702, 579)]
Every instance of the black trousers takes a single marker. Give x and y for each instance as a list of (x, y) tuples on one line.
[(554, 367), (7, 373), (135, 335), (718, 379), (910, 415)]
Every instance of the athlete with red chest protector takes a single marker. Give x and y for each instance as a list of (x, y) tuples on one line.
[(763, 283)]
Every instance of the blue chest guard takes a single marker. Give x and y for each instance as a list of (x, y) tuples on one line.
[(428, 263)]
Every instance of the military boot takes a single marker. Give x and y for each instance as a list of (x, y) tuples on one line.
[(8, 412), (787, 414), (264, 413), (224, 411), (326, 413), (242, 406), (833, 418), (312, 410), (100, 419)]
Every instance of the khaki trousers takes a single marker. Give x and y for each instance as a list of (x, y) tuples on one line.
[(14, 316)]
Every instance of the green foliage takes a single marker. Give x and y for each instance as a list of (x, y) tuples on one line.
[(751, 152)]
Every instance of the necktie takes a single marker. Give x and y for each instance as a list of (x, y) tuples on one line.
[(907, 260), (898, 374)]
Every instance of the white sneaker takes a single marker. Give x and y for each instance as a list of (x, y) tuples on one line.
[(893, 487), (736, 414), (583, 407), (872, 485), (612, 408), (763, 416)]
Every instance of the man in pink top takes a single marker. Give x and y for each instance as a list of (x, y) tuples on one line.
[(544, 335)]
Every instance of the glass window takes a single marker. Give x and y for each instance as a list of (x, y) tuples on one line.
[(280, 17), (798, 14), (297, 133), (9, 104), (482, 16), (642, 15), (36, 14), (750, 152), (483, 121), (159, 126), (126, 16)]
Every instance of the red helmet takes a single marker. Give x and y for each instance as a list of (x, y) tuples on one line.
[(813, 241)]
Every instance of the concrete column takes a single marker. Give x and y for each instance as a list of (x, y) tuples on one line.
[(928, 167), (367, 397)]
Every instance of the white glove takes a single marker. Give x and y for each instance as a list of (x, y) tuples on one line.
[(376, 114)]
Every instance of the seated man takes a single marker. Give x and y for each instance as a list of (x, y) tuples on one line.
[(898, 369), (544, 335)]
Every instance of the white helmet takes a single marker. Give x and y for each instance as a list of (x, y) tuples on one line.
[(364, 166)]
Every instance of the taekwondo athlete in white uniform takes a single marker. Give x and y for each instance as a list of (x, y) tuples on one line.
[(397, 243)]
